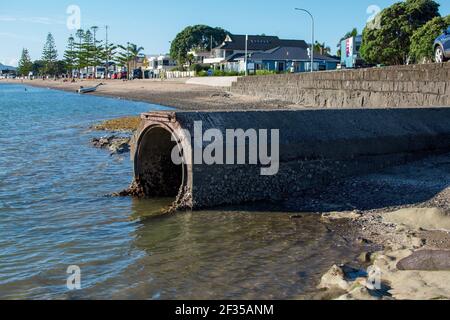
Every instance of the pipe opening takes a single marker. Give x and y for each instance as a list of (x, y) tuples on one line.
[(158, 176)]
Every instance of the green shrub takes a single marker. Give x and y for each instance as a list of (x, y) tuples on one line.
[(422, 41), (199, 67), (264, 72), (220, 73), (178, 68)]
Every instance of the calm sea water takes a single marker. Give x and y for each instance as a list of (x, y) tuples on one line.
[(54, 214)]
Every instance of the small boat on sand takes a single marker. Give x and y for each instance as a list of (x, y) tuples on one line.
[(88, 90)]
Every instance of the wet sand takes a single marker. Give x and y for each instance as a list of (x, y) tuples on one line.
[(405, 210), (171, 93)]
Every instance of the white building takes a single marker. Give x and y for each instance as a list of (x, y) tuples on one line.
[(156, 64), (200, 56)]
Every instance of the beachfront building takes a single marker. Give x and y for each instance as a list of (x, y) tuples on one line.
[(199, 56), (160, 63), (225, 56), (6, 71), (284, 59), (350, 52), (139, 62), (100, 71)]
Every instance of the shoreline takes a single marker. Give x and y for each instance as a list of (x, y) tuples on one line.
[(420, 186), (427, 182), (413, 230), (174, 93)]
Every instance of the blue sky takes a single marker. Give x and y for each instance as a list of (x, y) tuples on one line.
[(152, 24)]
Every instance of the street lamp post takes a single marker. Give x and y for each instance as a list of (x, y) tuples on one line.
[(246, 55), (312, 42), (128, 61), (107, 53)]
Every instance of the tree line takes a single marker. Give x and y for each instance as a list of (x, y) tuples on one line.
[(83, 50), (403, 33), (400, 34)]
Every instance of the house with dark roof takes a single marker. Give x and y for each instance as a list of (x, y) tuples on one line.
[(7, 69), (292, 59), (235, 46), (282, 59)]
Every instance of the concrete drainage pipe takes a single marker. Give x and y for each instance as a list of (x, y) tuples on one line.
[(315, 147)]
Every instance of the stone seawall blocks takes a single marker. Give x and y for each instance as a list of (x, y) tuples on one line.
[(397, 86)]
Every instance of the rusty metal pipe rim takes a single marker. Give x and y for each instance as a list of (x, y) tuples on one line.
[(139, 154)]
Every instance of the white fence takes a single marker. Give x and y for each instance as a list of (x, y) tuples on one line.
[(179, 74)]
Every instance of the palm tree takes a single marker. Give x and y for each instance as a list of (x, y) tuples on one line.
[(321, 48), (135, 52), (131, 55)]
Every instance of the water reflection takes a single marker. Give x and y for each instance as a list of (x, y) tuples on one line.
[(144, 209), (54, 214), (227, 255)]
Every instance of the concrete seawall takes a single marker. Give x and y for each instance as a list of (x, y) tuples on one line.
[(397, 86), (316, 147)]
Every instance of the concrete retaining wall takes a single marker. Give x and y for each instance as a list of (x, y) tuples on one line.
[(213, 81), (316, 147), (398, 86)]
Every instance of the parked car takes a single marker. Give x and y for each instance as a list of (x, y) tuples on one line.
[(137, 74), (442, 47)]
